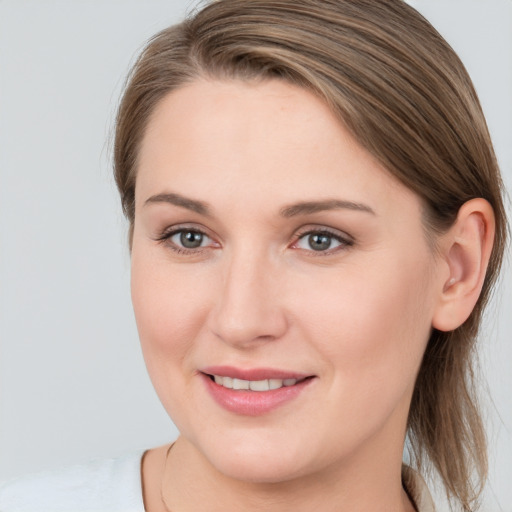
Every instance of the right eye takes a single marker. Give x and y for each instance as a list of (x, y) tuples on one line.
[(186, 240), (189, 239)]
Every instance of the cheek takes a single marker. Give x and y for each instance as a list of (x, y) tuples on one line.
[(170, 305), (372, 328)]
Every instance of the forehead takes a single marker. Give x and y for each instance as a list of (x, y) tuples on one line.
[(269, 140), (237, 114)]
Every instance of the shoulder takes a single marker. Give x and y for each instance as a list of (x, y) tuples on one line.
[(108, 484), (417, 490)]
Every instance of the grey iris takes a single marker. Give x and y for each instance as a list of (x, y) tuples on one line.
[(191, 239), (319, 242)]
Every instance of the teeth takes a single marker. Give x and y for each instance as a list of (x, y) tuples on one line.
[(253, 385), (240, 384), (259, 385), (275, 383)]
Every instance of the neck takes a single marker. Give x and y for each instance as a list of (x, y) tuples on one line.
[(190, 483)]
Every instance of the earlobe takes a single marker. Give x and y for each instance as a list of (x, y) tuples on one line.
[(466, 249)]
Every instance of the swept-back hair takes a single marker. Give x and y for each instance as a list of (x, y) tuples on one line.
[(403, 93)]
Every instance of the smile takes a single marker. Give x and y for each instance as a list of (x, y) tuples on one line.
[(253, 385), (254, 392)]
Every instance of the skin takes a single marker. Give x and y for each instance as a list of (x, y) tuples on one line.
[(255, 294)]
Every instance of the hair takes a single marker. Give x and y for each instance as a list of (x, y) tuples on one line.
[(405, 96)]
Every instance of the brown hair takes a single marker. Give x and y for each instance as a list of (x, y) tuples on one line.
[(406, 97)]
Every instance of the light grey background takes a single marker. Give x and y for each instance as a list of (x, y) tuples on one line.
[(72, 379)]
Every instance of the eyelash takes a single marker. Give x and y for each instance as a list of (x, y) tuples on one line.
[(344, 241), (165, 238)]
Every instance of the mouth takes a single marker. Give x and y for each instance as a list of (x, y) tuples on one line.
[(254, 392), (254, 385)]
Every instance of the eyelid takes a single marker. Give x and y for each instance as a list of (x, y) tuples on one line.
[(320, 228), (344, 238), (165, 238)]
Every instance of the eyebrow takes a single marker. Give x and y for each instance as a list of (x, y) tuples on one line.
[(302, 208), (309, 207), (182, 201)]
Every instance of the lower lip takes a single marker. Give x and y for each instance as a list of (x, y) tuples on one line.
[(253, 403)]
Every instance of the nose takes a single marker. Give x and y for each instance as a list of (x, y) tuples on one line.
[(249, 308)]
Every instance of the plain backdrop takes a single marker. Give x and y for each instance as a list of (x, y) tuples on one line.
[(72, 380)]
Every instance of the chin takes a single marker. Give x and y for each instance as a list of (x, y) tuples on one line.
[(254, 471), (258, 462)]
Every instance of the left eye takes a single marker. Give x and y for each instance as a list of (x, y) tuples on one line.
[(189, 239), (320, 241)]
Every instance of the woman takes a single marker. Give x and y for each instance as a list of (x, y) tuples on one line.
[(315, 227)]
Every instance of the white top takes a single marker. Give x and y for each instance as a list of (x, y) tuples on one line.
[(107, 485), (114, 485)]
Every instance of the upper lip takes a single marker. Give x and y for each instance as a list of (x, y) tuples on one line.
[(253, 373)]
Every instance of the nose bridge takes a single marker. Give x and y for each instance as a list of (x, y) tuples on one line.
[(248, 307)]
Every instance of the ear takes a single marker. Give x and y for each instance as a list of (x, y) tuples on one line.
[(466, 249)]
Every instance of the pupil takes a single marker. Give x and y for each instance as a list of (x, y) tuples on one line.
[(319, 242), (191, 239)]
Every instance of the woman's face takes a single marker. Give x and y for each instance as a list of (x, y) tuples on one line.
[(274, 252)]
